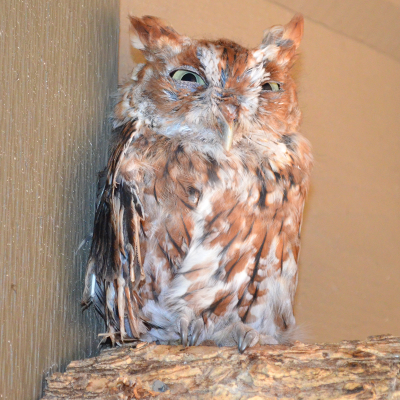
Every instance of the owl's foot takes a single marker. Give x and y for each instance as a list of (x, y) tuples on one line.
[(267, 339), (196, 327), (245, 336), (184, 328), (241, 335)]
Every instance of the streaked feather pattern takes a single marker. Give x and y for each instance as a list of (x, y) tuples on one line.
[(194, 240)]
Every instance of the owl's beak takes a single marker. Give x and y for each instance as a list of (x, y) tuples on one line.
[(227, 133), (226, 122)]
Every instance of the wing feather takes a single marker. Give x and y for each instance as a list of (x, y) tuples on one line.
[(114, 269)]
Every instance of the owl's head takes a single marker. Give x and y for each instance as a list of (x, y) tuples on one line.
[(214, 91)]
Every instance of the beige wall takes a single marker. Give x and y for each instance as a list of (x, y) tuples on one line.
[(58, 66), (349, 93)]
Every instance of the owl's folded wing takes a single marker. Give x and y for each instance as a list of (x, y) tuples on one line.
[(114, 269)]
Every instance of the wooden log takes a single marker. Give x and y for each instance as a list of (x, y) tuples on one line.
[(353, 369)]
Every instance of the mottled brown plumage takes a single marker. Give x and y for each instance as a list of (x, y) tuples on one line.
[(197, 232)]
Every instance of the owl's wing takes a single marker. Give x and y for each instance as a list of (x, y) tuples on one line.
[(114, 269)]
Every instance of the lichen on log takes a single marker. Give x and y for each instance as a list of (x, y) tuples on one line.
[(353, 369)]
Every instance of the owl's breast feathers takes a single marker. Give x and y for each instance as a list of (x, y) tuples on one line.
[(183, 231)]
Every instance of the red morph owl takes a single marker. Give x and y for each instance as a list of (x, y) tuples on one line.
[(197, 231)]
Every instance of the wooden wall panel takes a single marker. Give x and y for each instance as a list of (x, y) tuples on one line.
[(58, 67)]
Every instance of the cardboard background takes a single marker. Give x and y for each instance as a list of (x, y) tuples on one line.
[(348, 79)]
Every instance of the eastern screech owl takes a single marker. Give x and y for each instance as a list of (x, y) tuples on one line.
[(196, 235)]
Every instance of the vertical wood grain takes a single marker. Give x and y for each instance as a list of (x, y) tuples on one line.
[(58, 68)]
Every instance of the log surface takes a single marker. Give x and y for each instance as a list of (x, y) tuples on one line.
[(367, 369)]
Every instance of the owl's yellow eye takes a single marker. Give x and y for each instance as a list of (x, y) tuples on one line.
[(187, 76), (271, 87)]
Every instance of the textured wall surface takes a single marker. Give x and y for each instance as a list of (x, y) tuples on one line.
[(349, 93), (58, 66)]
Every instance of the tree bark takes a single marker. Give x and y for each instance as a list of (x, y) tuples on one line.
[(354, 369)]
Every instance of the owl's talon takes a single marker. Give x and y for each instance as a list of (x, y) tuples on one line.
[(245, 336), (250, 339), (197, 328), (184, 331)]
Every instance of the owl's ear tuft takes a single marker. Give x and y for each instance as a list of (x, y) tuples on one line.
[(280, 43), (154, 37)]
